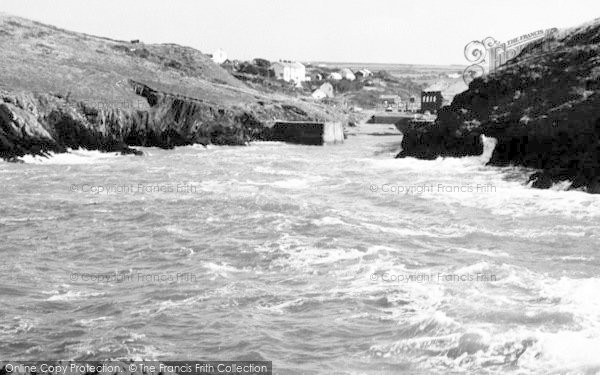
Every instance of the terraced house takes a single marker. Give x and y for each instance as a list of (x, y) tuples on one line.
[(289, 71)]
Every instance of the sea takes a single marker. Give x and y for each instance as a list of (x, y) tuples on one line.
[(336, 259)]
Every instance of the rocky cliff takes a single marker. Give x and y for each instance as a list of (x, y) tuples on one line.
[(60, 90), (543, 107), (38, 123)]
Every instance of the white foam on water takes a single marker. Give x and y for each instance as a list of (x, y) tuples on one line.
[(18, 326), (564, 352), (93, 322), (72, 295), (269, 144), (275, 171), (561, 186), (294, 183), (281, 308), (489, 253), (489, 144), (222, 270), (9, 220), (575, 258), (580, 297), (435, 232), (327, 220), (303, 264), (474, 268), (573, 349), (492, 187), (79, 156), (170, 306), (304, 257), (468, 182), (455, 344)]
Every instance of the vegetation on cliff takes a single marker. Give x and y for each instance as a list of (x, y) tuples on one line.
[(61, 89), (543, 107)]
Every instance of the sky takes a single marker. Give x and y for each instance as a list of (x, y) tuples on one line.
[(377, 31)]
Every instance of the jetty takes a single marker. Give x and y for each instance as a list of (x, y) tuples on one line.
[(308, 133)]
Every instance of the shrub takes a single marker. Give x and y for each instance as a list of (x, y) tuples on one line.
[(173, 64), (262, 63)]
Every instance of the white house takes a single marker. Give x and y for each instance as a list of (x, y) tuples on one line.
[(318, 94), (219, 56), (347, 74), (289, 71), (325, 91), (335, 76), (363, 73)]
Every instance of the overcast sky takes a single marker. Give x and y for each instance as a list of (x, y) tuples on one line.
[(384, 31)]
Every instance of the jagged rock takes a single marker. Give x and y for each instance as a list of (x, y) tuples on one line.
[(431, 141), (543, 108)]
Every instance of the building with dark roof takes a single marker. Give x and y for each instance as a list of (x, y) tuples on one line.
[(431, 101)]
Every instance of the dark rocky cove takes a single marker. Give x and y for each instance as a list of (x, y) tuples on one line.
[(41, 123), (543, 108)]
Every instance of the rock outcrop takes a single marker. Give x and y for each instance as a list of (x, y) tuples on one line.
[(543, 107), (41, 123), (61, 89)]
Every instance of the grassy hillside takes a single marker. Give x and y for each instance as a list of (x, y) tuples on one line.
[(60, 89), (42, 58)]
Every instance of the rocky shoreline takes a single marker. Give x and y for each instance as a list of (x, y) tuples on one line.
[(41, 123), (542, 107), (63, 90)]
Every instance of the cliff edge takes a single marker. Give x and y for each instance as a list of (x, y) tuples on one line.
[(60, 89), (543, 107)]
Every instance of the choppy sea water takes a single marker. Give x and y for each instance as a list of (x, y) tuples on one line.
[(336, 259)]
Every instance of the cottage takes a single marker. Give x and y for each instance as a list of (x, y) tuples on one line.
[(318, 94), (289, 71), (317, 76), (335, 76), (325, 91), (431, 101), (347, 74), (390, 102), (219, 57), (412, 104), (363, 73), (327, 88)]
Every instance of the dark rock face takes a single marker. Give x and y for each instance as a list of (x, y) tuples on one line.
[(429, 141), (543, 107), (37, 125), (41, 123), (299, 133)]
